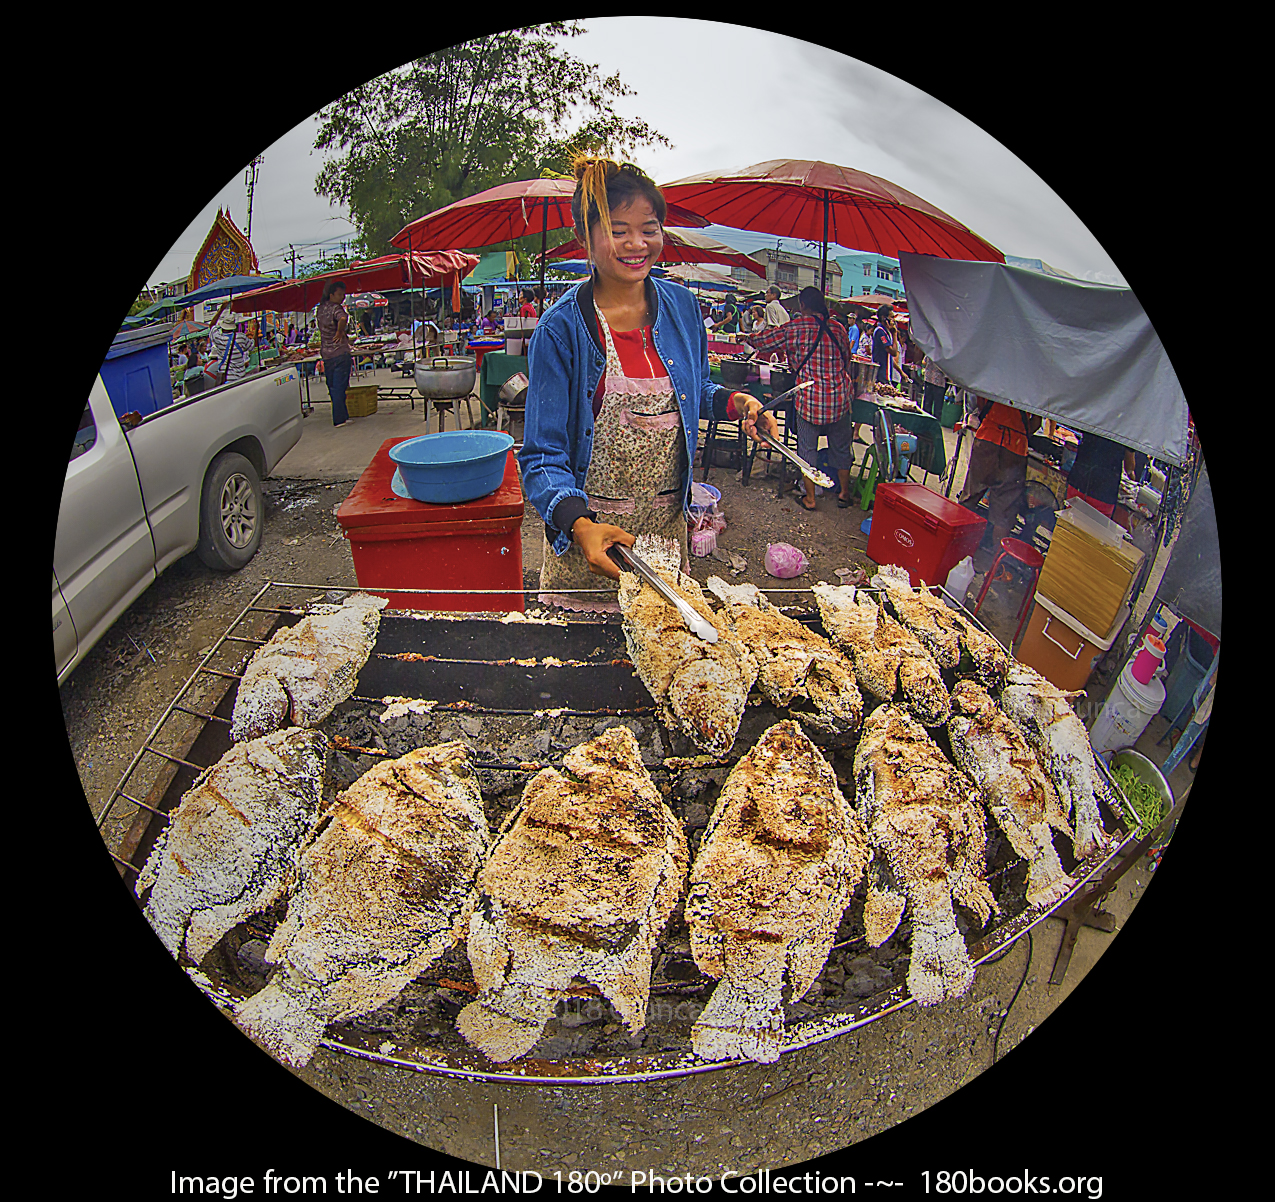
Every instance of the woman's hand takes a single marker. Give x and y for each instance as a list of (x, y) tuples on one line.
[(594, 539), (750, 407)]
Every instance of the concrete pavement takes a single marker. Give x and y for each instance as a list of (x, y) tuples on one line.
[(328, 452)]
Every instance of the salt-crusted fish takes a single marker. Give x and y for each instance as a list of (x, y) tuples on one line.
[(926, 827), (776, 870), (888, 661), (231, 846), (581, 882), (385, 889), (303, 672), (699, 688), (1019, 796), (794, 663), (1044, 714), (949, 635)]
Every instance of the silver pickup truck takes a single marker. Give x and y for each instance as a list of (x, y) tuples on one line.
[(185, 478)]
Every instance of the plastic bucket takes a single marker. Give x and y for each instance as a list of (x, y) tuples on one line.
[(1126, 713), (454, 466), (1187, 674)]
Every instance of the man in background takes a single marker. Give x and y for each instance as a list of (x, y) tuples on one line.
[(776, 314)]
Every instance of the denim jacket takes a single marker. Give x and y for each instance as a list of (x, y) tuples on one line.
[(566, 359)]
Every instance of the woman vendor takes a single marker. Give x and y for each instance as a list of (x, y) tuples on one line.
[(618, 382)]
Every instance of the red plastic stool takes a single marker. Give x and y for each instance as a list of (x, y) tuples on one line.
[(1029, 557)]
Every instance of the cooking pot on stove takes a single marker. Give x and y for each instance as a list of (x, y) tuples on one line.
[(445, 377)]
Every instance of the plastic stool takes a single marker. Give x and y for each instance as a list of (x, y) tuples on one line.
[(1029, 557)]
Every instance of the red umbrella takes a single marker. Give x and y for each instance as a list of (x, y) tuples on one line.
[(387, 272), (505, 212), (680, 246), (798, 198)]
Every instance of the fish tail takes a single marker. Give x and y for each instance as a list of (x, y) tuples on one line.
[(940, 967), (280, 1020), (508, 1022), (738, 1023)]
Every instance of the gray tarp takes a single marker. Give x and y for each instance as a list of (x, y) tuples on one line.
[(1083, 354)]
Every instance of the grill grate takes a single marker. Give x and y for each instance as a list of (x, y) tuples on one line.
[(477, 664)]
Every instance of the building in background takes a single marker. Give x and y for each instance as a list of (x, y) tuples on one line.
[(789, 271), (864, 273)]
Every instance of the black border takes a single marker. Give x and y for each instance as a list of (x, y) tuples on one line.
[(1095, 113)]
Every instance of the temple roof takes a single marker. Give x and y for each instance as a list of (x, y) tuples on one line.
[(226, 251)]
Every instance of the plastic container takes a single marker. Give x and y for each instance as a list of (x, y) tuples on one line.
[(453, 466), (400, 543), (1150, 656), (136, 370), (960, 578), (1188, 672), (1127, 711), (916, 528), (1060, 647)]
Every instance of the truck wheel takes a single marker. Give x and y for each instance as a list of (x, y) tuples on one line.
[(230, 513)]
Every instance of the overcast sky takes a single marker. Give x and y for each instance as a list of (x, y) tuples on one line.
[(847, 113)]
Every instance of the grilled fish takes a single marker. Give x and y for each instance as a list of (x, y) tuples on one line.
[(887, 660), (928, 839), (385, 889), (1044, 714), (582, 880), (794, 663), (953, 639), (780, 859), (699, 688), (1019, 796), (231, 846), (303, 672)]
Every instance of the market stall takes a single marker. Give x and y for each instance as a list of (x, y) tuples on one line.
[(1086, 357)]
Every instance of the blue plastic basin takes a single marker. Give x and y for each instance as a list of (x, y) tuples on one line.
[(454, 466)]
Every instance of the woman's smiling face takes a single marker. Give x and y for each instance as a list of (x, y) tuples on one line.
[(635, 243)]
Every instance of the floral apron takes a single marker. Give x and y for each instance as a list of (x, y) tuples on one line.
[(634, 479)]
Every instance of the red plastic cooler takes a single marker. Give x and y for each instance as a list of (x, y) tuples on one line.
[(916, 528), (400, 543)]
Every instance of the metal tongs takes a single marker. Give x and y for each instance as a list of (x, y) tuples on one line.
[(625, 558), (812, 474)]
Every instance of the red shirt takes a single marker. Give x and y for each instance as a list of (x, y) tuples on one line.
[(638, 358), (527, 310)]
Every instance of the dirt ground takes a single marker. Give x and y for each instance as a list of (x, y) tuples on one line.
[(813, 1101)]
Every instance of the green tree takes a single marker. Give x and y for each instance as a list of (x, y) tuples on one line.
[(464, 119)]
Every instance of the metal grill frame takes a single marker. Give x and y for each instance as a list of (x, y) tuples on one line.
[(804, 1033)]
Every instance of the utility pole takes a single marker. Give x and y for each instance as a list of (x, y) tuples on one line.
[(293, 253), (250, 180)]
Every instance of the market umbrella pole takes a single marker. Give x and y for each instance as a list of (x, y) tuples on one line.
[(544, 234), (823, 262)]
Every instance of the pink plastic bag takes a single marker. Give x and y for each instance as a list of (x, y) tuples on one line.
[(785, 561)]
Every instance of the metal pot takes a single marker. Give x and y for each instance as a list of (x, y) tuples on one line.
[(514, 390), (735, 371), (445, 378)]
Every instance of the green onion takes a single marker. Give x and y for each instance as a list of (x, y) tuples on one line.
[(1146, 801)]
